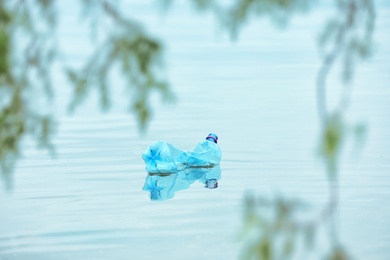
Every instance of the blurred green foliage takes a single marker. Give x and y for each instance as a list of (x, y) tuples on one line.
[(331, 143), (274, 230), (137, 55), (271, 232), (278, 11), (17, 72), (29, 50), (346, 37), (273, 235)]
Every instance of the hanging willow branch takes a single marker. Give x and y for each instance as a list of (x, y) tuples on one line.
[(29, 49)]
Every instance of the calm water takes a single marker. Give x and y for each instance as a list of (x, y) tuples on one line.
[(258, 95)]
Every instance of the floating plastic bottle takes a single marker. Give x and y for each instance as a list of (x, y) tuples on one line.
[(162, 157)]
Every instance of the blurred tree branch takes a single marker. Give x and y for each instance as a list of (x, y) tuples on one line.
[(24, 71), (347, 36), (28, 51), (276, 229), (136, 54), (278, 11)]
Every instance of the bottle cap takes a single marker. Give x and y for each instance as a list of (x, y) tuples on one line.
[(212, 137), (212, 184)]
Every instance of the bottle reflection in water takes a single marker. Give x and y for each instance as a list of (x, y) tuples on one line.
[(163, 186)]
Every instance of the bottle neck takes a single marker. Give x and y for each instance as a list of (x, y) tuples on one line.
[(210, 139)]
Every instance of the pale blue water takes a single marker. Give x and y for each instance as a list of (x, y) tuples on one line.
[(258, 95)]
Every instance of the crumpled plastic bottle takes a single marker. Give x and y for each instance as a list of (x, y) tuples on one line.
[(162, 157)]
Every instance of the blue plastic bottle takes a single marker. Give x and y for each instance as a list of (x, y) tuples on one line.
[(207, 152), (162, 157)]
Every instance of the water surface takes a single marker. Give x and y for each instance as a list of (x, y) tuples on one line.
[(258, 95)]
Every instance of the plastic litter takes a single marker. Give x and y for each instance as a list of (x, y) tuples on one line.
[(171, 169), (163, 186), (162, 157)]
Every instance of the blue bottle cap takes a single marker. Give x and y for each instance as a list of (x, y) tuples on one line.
[(212, 137), (211, 184)]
